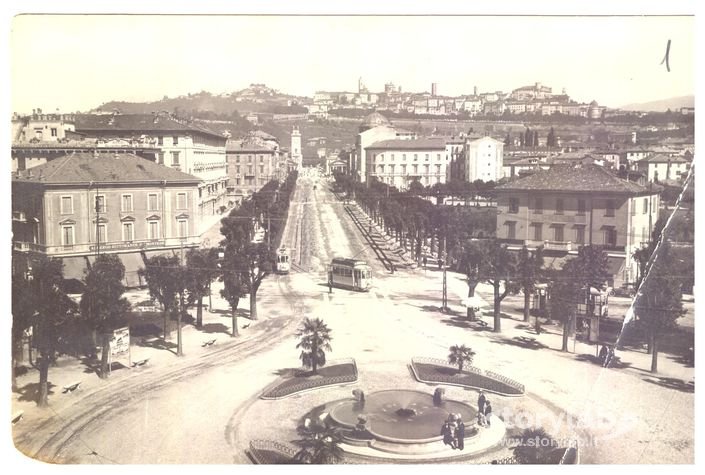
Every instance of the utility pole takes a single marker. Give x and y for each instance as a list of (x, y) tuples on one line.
[(444, 304)]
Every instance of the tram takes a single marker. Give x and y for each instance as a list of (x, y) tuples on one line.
[(282, 262), (349, 273)]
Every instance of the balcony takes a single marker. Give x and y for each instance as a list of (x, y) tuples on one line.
[(564, 246), (91, 248)]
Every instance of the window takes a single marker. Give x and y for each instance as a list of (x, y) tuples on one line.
[(438, 157), (609, 208), (67, 235), (416, 157), (511, 229), (160, 158), (54, 132), (634, 204), (152, 202), (513, 205), (181, 201), (579, 234), (581, 207), (182, 225), (102, 233), (403, 157), (174, 159), (538, 205), (261, 158), (66, 205), (610, 236), (538, 231), (559, 205), (261, 169), (249, 170), (558, 232), (646, 205), (153, 229), (126, 203), (176, 140), (416, 169), (100, 204), (426, 157), (237, 169), (381, 157), (128, 232), (160, 140), (237, 158), (249, 159)]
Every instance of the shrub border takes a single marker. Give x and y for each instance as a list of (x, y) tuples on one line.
[(272, 393), (471, 369)]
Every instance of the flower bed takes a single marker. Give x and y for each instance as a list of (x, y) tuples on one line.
[(428, 370), (270, 452), (301, 380)]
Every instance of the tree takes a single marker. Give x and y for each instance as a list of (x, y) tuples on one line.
[(508, 140), (102, 303), (535, 447), (23, 299), (588, 270), (233, 287), (472, 264), (528, 137), (500, 272), (159, 273), (201, 264), (54, 309), (460, 354), (551, 138), (320, 445), (659, 304), (529, 267), (416, 188), (535, 140), (315, 338), (256, 260)]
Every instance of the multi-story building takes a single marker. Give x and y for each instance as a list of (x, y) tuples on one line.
[(80, 205), (659, 167), (482, 160), (399, 162), (374, 128), (296, 151), (250, 167), (566, 207), (537, 91), (184, 146), (40, 127)]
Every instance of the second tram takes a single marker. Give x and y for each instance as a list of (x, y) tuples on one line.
[(349, 273)]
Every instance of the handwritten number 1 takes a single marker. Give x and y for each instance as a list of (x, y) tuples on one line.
[(665, 58)]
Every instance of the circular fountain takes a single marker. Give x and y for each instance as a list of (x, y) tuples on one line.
[(401, 416)]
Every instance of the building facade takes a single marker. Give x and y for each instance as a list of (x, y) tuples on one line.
[(374, 128), (483, 160), (80, 205), (250, 167), (183, 146), (400, 162), (566, 207), (662, 167)]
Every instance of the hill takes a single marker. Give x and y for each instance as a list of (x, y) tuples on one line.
[(673, 103)]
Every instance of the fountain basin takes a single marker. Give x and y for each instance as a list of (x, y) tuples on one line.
[(401, 416)]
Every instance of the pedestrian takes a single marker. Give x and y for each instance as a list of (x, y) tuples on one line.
[(488, 413), (330, 286), (447, 434), (481, 399), (424, 262), (603, 354), (610, 357), (440, 264), (460, 432)]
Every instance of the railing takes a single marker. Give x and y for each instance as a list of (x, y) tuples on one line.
[(144, 244), (557, 245), (258, 446)]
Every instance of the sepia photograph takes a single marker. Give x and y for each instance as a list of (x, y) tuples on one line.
[(363, 237)]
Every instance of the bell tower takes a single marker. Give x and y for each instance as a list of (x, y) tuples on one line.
[(296, 154)]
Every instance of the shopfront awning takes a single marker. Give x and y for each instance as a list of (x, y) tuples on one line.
[(133, 262), (75, 267)]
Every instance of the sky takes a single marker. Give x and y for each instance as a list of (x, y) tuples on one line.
[(77, 62)]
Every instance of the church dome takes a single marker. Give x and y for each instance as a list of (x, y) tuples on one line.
[(593, 103), (374, 120)]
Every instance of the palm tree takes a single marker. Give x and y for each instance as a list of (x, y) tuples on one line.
[(460, 354), (320, 445), (315, 341)]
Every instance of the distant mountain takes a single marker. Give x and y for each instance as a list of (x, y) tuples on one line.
[(674, 103)]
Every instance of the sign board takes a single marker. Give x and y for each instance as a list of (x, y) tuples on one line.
[(120, 343)]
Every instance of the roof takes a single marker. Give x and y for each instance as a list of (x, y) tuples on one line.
[(235, 146), (660, 158), (584, 178), (436, 143), (104, 168), (139, 123), (375, 119)]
